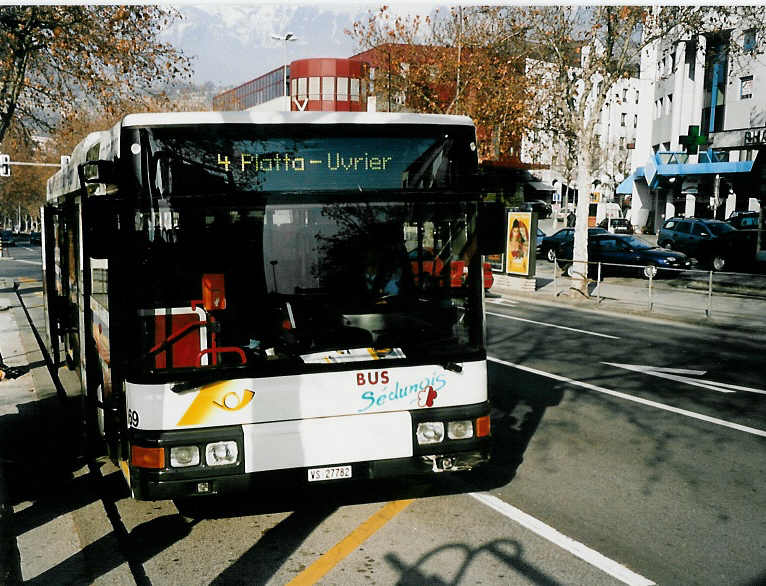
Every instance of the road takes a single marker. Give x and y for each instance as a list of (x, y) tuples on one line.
[(605, 470)]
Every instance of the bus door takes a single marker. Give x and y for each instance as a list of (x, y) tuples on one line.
[(64, 304), (52, 284)]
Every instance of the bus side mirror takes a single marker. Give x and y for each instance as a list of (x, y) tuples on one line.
[(97, 172), (491, 228)]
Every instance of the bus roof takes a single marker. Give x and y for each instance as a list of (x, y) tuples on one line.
[(106, 143), (250, 117)]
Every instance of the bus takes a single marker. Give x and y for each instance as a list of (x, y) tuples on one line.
[(245, 295)]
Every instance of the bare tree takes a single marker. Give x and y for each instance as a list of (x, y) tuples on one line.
[(55, 60), (467, 61)]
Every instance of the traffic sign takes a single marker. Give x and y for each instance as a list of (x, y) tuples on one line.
[(5, 165)]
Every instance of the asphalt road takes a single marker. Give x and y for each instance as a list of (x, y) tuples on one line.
[(628, 474)]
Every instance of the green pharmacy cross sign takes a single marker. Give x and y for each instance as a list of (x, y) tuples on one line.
[(693, 140)]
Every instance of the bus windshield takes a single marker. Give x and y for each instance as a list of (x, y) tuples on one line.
[(306, 283), (187, 161)]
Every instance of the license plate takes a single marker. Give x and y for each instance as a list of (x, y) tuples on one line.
[(331, 473)]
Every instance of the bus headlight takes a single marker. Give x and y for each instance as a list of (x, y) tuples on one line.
[(183, 456), (221, 453), (430, 432), (458, 430)]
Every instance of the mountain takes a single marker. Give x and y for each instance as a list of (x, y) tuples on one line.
[(231, 44)]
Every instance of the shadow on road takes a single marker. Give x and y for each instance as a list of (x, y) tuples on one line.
[(508, 552), (519, 401)]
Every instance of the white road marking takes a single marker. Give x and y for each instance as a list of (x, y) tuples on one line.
[(576, 548), (539, 323), (31, 262), (674, 374), (501, 301), (647, 402)]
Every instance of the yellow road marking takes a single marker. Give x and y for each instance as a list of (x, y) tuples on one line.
[(343, 548)]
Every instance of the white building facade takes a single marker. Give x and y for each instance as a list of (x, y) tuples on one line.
[(701, 126)]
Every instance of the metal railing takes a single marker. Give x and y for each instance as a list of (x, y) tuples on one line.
[(685, 282)]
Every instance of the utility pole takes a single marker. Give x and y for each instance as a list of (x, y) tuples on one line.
[(284, 38)]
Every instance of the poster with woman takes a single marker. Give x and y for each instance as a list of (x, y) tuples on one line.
[(518, 247)]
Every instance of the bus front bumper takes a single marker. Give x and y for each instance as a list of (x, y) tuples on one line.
[(147, 485)]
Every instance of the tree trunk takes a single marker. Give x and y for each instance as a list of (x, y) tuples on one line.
[(580, 256)]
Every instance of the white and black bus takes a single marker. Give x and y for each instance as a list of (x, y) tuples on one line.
[(252, 294)]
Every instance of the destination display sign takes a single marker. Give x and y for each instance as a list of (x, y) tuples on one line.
[(288, 162), (187, 160)]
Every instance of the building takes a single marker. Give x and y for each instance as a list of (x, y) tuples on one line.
[(320, 84), (701, 126)]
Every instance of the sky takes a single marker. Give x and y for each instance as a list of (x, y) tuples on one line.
[(231, 43)]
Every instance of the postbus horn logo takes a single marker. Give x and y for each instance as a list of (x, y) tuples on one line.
[(215, 397)]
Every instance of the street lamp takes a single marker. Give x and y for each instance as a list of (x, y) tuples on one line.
[(284, 38)]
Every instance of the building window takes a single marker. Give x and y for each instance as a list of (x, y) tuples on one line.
[(746, 87), (328, 88), (314, 88), (624, 96), (748, 43), (302, 81), (343, 89), (635, 120), (669, 104), (354, 89), (659, 108), (623, 116), (636, 96)]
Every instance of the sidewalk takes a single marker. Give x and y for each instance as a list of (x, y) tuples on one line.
[(728, 310), (43, 479)]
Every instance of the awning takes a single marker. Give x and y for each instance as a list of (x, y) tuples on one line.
[(655, 169), (626, 187), (541, 186)]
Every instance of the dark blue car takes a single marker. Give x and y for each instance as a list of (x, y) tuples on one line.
[(550, 245), (620, 249)]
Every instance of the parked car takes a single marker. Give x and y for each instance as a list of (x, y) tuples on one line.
[(689, 234), (550, 244), (617, 225), (6, 236), (735, 250), (623, 249), (543, 209), (539, 242), (743, 220)]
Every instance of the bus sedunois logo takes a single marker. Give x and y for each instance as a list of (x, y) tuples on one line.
[(212, 398)]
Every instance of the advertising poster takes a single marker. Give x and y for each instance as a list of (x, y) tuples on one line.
[(519, 246)]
